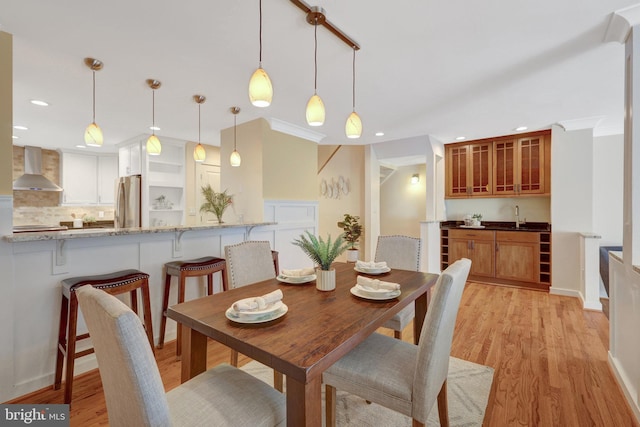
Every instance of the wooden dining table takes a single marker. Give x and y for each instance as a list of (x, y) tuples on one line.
[(318, 329)]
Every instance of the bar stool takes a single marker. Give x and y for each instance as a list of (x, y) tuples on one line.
[(113, 283), (205, 266)]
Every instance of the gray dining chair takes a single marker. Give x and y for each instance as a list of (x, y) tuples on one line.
[(251, 262), (401, 376), (401, 252), (134, 393)]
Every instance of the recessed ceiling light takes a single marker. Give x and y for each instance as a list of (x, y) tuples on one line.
[(521, 128), (21, 127), (14, 137), (81, 146), (154, 128), (379, 133), (40, 103), (460, 138)]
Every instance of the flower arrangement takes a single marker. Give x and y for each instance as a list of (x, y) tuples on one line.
[(215, 202), (352, 229), (322, 252)]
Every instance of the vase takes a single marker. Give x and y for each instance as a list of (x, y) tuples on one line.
[(326, 280), (352, 255), (219, 217)]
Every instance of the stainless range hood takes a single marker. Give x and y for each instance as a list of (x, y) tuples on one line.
[(33, 178)]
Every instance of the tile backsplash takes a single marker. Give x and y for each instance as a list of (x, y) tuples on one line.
[(55, 214)]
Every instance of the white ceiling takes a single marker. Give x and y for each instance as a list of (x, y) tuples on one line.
[(440, 68)]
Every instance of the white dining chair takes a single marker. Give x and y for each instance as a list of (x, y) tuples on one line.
[(134, 393), (401, 252), (251, 262), (401, 376)]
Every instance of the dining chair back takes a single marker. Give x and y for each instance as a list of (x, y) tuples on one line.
[(133, 388), (401, 252), (402, 376), (250, 262)]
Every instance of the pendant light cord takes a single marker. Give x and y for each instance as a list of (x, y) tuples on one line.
[(153, 111), (198, 123), (94, 96), (315, 57), (234, 132), (260, 62), (354, 80)]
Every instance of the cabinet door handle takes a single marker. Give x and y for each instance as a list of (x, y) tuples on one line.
[(472, 245)]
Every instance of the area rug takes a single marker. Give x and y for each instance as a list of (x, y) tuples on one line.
[(468, 388)]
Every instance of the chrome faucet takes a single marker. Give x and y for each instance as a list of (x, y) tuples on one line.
[(517, 216)]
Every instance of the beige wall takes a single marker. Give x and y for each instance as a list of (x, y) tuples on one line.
[(191, 187), (6, 112), (348, 162), (402, 204)]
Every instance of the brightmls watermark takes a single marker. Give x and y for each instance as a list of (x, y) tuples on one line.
[(34, 415)]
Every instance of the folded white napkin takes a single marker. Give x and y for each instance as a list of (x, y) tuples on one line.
[(370, 264), (258, 303), (376, 285), (300, 272)]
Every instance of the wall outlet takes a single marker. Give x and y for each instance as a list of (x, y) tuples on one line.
[(192, 211), (100, 214)]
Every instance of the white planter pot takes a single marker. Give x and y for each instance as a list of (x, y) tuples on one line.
[(352, 255), (326, 280)]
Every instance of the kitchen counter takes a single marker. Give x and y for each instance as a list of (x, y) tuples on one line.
[(500, 225), (79, 233)]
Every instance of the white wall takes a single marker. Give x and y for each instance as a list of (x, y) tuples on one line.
[(608, 185)]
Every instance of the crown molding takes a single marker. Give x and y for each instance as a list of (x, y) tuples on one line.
[(620, 24), (295, 130)]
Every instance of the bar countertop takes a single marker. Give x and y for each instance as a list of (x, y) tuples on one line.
[(79, 233)]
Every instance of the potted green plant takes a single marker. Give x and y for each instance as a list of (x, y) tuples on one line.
[(322, 253), (215, 202), (352, 232)]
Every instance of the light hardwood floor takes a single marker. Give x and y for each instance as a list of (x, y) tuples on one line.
[(549, 356)]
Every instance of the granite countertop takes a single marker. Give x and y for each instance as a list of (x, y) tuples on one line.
[(500, 226), (76, 233)]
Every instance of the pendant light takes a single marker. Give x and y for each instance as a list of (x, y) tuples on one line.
[(93, 134), (315, 106), (260, 88), (199, 153), (235, 159), (153, 143), (353, 127)]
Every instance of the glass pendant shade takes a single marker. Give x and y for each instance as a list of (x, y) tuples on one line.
[(260, 88), (353, 127), (153, 146), (315, 111), (235, 159), (199, 153), (93, 136)]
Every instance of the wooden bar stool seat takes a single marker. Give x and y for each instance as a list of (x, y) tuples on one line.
[(113, 283), (205, 266)]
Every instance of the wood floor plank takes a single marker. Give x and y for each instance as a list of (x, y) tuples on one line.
[(549, 356)]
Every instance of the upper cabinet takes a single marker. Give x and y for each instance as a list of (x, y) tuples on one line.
[(88, 179), (469, 169), (499, 167)]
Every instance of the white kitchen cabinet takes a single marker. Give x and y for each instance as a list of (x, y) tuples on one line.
[(129, 160), (88, 179)]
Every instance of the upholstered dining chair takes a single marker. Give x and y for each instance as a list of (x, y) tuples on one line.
[(401, 376), (134, 393), (401, 252), (250, 262)]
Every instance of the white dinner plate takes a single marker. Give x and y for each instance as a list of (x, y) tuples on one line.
[(232, 315), (251, 314), (296, 280), (390, 295), (372, 270)]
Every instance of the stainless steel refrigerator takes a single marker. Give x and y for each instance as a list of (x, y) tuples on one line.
[(128, 211)]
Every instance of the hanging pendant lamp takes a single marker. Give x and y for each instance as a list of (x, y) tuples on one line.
[(315, 106), (93, 134), (153, 143), (353, 127), (235, 158), (260, 88), (199, 153)]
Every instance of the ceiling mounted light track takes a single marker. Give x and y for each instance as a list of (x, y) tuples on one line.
[(153, 143), (93, 134), (317, 14), (235, 158), (199, 153)]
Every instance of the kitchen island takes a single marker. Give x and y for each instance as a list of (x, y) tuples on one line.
[(40, 260)]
